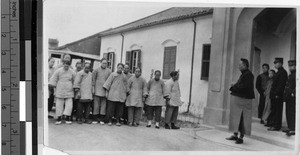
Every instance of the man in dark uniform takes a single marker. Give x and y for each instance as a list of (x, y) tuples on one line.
[(261, 86), (290, 98), (276, 95)]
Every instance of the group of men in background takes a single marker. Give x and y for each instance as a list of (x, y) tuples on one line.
[(275, 88), (102, 96)]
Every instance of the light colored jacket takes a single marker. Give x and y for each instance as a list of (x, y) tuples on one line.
[(137, 88), (173, 90), (83, 81), (63, 81), (116, 84), (99, 77), (156, 91)]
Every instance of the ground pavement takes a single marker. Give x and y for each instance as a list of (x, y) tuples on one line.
[(92, 138)]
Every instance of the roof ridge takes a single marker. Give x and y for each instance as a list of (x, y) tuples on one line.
[(144, 18)]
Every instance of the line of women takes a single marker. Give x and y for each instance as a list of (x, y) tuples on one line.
[(106, 95)]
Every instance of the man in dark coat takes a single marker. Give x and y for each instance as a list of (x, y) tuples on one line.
[(241, 108), (261, 86), (290, 98), (276, 95)]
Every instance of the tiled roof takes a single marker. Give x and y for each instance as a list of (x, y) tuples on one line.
[(169, 15)]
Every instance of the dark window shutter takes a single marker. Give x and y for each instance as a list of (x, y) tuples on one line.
[(139, 59), (112, 61), (128, 58), (169, 61), (205, 62)]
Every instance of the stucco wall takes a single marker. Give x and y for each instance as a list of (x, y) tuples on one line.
[(152, 40), (274, 46), (112, 44)]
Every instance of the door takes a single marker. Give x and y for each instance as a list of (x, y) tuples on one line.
[(256, 71)]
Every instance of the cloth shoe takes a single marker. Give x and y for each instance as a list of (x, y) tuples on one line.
[(167, 126), (239, 141), (174, 127), (68, 120), (58, 121), (233, 137)]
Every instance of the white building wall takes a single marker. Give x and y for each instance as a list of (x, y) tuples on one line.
[(152, 40), (112, 43), (275, 46)]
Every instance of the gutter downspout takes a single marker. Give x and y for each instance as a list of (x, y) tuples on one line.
[(122, 46), (192, 66)]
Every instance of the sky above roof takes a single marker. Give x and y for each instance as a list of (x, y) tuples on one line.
[(71, 20)]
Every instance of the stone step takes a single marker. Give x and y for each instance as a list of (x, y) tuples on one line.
[(260, 132)]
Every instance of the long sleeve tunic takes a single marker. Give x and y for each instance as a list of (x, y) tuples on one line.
[(116, 84), (100, 75), (83, 81), (63, 81), (173, 90), (244, 87), (157, 92), (279, 82), (137, 88)]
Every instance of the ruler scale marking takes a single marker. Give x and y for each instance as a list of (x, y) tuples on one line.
[(10, 77)]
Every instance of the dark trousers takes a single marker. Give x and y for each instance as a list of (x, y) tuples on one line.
[(291, 113), (134, 114), (114, 109), (125, 112), (241, 125), (171, 114), (74, 111), (261, 105), (154, 110), (276, 112), (83, 110), (50, 102)]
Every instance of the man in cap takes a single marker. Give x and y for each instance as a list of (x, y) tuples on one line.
[(290, 98), (276, 95)]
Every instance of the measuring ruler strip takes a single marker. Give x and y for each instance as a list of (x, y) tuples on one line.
[(10, 77)]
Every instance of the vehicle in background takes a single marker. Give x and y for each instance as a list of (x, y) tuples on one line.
[(75, 57)]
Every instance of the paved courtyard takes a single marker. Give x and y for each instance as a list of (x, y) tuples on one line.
[(87, 138)]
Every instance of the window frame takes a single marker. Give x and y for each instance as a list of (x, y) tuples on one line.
[(167, 76)]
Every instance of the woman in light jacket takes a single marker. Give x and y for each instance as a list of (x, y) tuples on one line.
[(173, 101)]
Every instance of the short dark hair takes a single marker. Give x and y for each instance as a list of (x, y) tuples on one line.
[(103, 59), (67, 62), (266, 65), (157, 71), (120, 64), (78, 62), (87, 63), (174, 73), (50, 58), (139, 69), (245, 62), (272, 70)]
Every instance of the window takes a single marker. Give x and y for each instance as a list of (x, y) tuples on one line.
[(169, 61), (110, 56), (205, 62), (133, 59)]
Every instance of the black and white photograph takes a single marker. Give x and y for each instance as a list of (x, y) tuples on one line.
[(145, 77)]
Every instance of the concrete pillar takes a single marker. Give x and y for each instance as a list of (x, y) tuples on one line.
[(214, 111)]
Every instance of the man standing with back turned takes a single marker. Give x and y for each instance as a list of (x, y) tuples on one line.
[(241, 107)]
